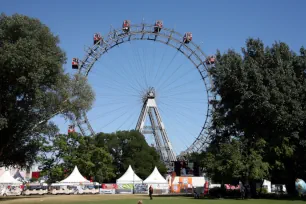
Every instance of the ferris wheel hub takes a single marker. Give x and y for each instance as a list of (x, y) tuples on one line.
[(149, 94)]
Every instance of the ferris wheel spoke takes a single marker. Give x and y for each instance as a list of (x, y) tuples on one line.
[(116, 82), (127, 80), (178, 86), (142, 60), (181, 112), (171, 75), (127, 77), (186, 92), (110, 103), (131, 93), (115, 119), (182, 101), (160, 64), (111, 111), (165, 69), (127, 119), (138, 70), (190, 108), (141, 68), (180, 138), (185, 74)]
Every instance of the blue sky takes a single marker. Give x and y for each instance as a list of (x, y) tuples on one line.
[(215, 25)]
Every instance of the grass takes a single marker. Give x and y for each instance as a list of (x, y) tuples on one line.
[(130, 199)]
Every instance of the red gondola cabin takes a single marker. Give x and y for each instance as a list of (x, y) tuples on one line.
[(158, 26), (126, 26), (71, 129), (97, 38), (210, 60), (187, 37), (75, 63)]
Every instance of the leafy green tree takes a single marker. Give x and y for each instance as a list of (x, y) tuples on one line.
[(33, 87), (261, 104), (130, 148), (65, 152)]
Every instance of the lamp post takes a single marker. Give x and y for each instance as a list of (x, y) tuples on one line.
[(133, 183)]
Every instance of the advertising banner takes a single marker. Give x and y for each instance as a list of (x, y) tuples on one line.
[(141, 188), (109, 186), (107, 191)]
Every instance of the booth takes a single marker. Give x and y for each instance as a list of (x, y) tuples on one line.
[(126, 183), (158, 182), (9, 185), (75, 183)]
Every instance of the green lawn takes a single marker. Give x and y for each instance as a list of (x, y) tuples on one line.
[(130, 199)]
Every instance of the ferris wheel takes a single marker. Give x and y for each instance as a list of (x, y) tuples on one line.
[(150, 110)]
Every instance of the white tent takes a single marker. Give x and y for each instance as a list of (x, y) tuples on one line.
[(158, 182), (129, 177), (75, 177), (18, 176), (155, 178), (6, 178)]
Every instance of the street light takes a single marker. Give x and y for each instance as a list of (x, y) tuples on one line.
[(133, 183)]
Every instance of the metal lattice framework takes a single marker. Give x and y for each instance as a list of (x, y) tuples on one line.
[(166, 36)]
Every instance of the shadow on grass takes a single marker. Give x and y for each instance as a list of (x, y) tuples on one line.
[(267, 197), (18, 197)]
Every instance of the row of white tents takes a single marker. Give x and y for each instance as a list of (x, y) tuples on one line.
[(130, 177), (129, 180)]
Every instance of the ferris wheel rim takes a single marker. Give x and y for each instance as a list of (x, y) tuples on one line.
[(196, 56)]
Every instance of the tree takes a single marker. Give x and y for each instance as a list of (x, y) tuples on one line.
[(64, 152), (33, 87), (130, 148), (261, 104)]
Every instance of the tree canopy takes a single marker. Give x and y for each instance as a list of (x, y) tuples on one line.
[(33, 87), (258, 126), (62, 153), (104, 157), (130, 148)]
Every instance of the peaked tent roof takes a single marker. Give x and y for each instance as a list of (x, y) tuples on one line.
[(75, 177), (7, 178), (155, 178), (129, 177), (18, 176)]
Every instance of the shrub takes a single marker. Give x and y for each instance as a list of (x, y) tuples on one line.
[(263, 190)]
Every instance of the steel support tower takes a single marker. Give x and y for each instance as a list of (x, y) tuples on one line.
[(157, 128)]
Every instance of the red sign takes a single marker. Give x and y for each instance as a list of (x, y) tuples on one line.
[(109, 186), (35, 174)]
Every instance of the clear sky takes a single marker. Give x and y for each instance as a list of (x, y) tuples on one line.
[(116, 76)]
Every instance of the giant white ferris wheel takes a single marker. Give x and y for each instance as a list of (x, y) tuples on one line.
[(150, 118)]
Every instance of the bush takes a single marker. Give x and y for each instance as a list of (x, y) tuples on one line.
[(216, 192), (263, 190)]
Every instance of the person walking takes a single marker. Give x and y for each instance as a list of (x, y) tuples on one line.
[(151, 192), (242, 190)]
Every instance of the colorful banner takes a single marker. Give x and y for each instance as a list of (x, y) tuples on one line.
[(109, 186), (107, 191), (125, 186), (141, 188)]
